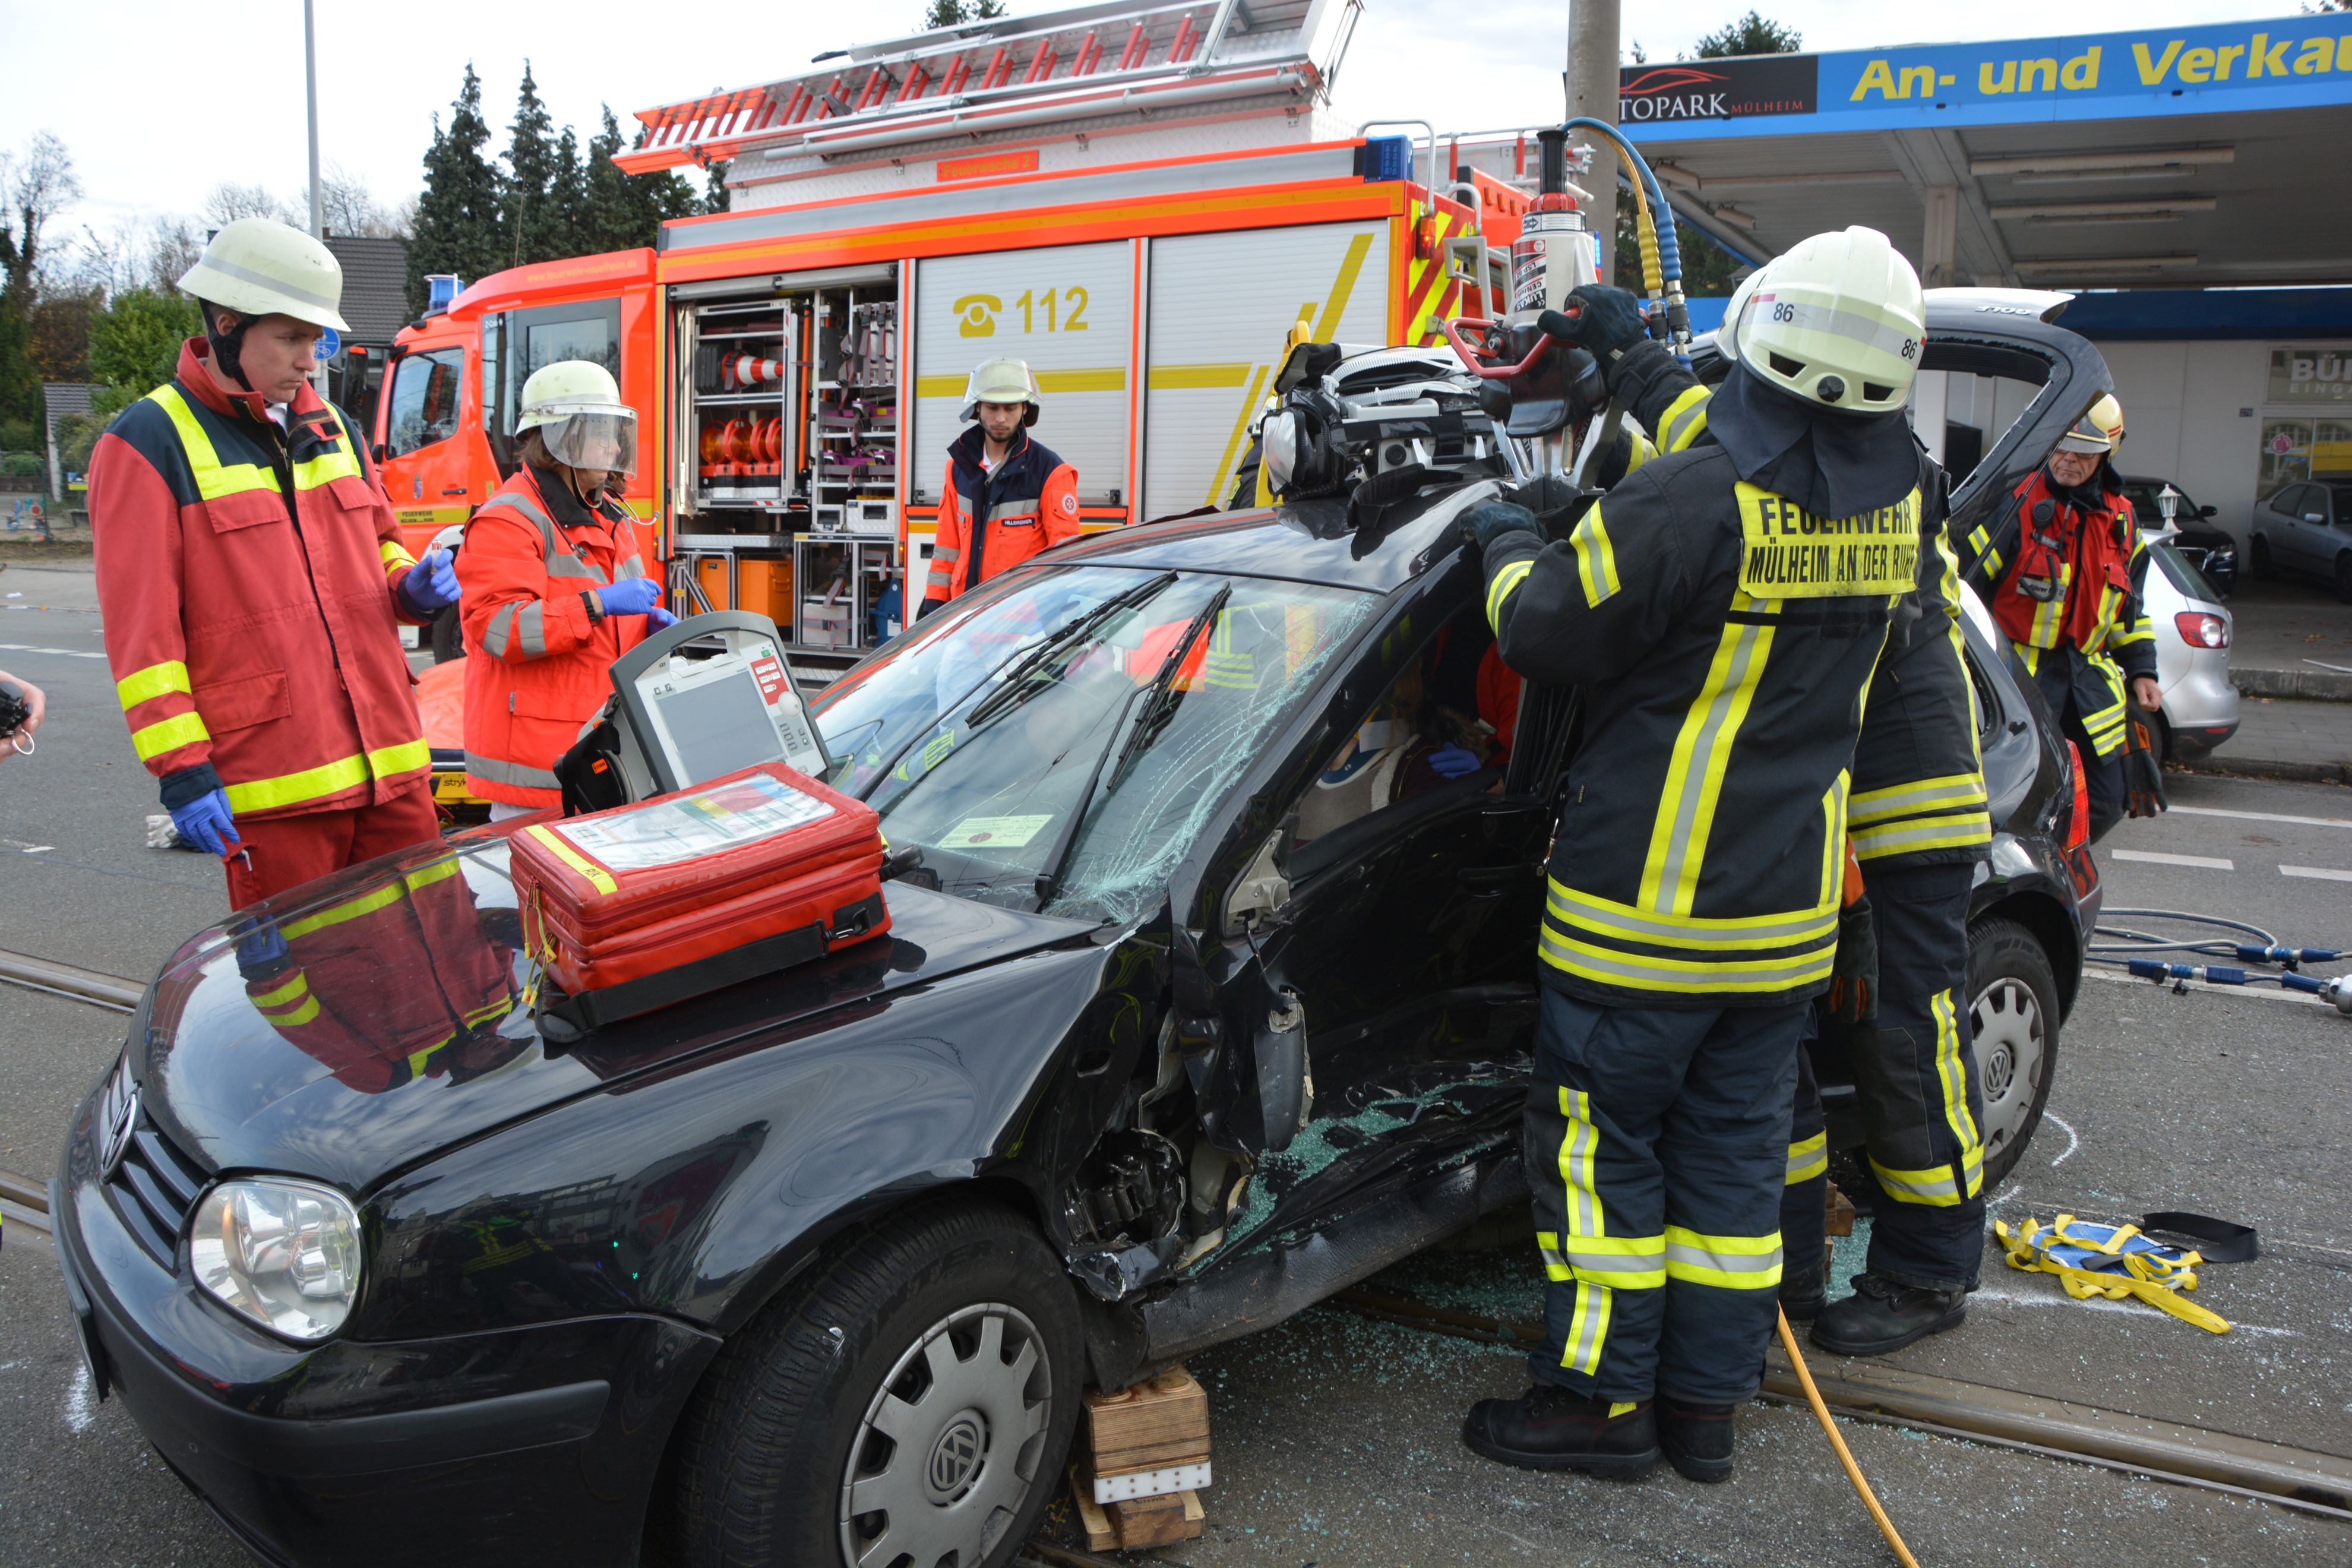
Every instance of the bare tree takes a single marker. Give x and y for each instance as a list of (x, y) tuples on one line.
[(39, 183), (173, 248), (350, 207), (226, 203)]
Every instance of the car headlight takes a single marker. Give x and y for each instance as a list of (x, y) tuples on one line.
[(281, 1253)]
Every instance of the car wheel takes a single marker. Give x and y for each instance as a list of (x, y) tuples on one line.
[(908, 1401), (449, 636), (2258, 557), (2344, 578), (2013, 1019)]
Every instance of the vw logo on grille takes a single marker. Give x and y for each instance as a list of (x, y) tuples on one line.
[(956, 1456), (118, 1114)]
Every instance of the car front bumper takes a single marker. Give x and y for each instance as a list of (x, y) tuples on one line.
[(537, 1444)]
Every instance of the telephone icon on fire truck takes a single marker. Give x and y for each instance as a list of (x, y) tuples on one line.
[(978, 313)]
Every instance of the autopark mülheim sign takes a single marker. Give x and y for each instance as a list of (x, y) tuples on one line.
[(1717, 89)]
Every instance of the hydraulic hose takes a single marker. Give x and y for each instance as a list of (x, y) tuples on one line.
[(1651, 197), (1845, 1455)]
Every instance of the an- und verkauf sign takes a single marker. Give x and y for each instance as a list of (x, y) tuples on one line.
[(1717, 89), (2312, 375)]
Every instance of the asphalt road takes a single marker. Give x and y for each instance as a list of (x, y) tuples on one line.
[(1336, 1438)]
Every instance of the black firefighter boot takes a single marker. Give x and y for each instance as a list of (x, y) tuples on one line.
[(1696, 1438), (1549, 1428), (1881, 1316)]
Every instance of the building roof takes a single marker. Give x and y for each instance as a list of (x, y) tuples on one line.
[(375, 287), (60, 398)]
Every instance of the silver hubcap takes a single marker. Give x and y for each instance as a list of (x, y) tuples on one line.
[(2006, 1021), (951, 1445)]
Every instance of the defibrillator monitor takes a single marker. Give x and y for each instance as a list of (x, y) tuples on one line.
[(707, 696)]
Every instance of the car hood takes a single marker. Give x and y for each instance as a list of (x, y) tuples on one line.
[(390, 1028)]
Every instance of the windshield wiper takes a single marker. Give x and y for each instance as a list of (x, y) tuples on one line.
[(1020, 664), (1049, 877), (1007, 692)]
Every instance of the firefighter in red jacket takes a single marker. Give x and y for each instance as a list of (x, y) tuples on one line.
[(555, 589), (1006, 496), (251, 573), (2055, 568)]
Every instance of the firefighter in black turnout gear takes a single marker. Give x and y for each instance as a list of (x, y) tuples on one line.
[(1722, 609)]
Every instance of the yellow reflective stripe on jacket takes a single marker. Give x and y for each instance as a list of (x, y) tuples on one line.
[(1684, 420), (298, 986), (329, 778), (1602, 916), (1652, 972), (180, 729), (598, 878), (215, 479), (298, 1017), (1809, 1159), (1702, 755), (395, 557), (1506, 584), (1596, 562), (1873, 806), (1727, 1262), (1919, 833), (155, 680), (327, 467)]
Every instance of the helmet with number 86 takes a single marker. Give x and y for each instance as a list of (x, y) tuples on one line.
[(1838, 321)]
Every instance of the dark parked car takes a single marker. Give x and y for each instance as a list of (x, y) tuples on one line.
[(2209, 548), (2305, 529), (1209, 998)]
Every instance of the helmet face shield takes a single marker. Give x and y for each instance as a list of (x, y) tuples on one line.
[(593, 441)]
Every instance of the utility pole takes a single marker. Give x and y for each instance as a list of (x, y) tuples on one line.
[(318, 198), (1592, 94)]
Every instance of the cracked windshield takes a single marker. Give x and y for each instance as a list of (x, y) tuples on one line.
[(1059, 745)]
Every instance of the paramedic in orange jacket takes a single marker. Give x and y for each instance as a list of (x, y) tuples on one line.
[(250, 574), (554, 588), (1006, 496)]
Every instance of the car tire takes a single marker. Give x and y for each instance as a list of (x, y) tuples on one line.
[(956, 1325), (2258, 558), (2013, 1026), (449, 636), (2344, 578)]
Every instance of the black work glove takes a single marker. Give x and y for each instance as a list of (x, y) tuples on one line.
[(1484, 523), (1605, 320), (2143, 766), (1854, 978)]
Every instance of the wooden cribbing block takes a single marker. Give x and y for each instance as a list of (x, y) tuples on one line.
[(1154, 1424), (1839, 1219), (1141, 1525)]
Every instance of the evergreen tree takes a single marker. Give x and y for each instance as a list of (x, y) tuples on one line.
[(561, 229), (623, 211), (457, 226), (949, 13), (134, 345), (533, 232), (714, 187)]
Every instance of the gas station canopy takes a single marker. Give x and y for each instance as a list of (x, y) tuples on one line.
[(2207, 156)]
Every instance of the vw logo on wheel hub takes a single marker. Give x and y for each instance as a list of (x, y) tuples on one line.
[(955, 1457)]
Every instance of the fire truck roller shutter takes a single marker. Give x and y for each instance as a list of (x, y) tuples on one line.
[(1222, 305), (1067, 309)]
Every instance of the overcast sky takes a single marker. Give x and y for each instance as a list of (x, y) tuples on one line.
[(158, 100)]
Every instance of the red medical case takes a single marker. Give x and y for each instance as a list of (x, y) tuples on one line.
[(647, 904)]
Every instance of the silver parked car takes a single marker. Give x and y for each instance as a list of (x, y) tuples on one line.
[(2193, 650), (2306, 529)]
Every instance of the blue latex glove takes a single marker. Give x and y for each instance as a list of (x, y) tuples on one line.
[(432, 583), (1486, 523), (260, 947), (205, 822), (631, 596), (1454, 762), (657, 617)]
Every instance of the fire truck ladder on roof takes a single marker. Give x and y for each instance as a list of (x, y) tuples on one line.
[(1074, 64)]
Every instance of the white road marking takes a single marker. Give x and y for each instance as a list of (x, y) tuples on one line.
[(2261, 816), (60, 652), (2315, 873), (2152, 858), (2073, 1142), (79, 1411)]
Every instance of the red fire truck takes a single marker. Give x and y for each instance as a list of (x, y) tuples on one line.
[(1141, 200)]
